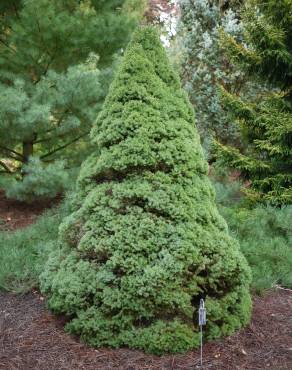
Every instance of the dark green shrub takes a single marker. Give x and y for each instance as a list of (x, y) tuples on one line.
[(146, 241)]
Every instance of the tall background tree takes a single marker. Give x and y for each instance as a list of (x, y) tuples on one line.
[(50, 86), (204, 65), (265, 120)]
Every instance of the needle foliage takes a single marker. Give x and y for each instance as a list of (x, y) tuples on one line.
[(265, 120), (55, 62), (145, 240)]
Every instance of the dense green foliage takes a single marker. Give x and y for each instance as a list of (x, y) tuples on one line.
[(43, 181), (50, 87), (145, 241), (264, 234), (266, 120)]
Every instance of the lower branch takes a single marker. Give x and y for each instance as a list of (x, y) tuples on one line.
[(64, 146), (19, 157)]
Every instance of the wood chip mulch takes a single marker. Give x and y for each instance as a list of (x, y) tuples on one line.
[(15, 214), (32, 338)]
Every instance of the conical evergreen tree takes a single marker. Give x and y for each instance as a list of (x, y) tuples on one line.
[(146, 242)]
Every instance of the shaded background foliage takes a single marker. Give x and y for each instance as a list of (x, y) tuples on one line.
[(265, 118), (53, 81), (204, 66)]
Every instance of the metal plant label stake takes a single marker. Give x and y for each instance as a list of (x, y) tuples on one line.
[(202, 322)]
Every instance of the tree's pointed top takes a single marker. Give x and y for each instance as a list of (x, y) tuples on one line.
[(145, 75), (147, 38)]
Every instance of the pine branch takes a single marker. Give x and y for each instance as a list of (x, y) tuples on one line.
[(46, 68), (15, 10), (63, 146), (53, 129), (21, 158), (7, 46)]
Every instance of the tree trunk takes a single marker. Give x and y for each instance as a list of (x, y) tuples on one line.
[(27, 150)]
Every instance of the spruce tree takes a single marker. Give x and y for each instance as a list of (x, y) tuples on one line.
[(266, 119), (145, 241), (204, 65)]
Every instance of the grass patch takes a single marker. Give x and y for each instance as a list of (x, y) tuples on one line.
[(24, 252)]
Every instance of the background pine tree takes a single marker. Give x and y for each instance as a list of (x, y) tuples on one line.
[(51, 88), (145, 241), (265, 120)]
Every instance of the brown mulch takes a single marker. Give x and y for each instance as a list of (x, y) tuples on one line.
[(32, 338), (15, 214)]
